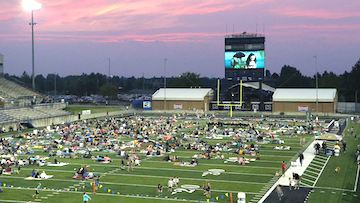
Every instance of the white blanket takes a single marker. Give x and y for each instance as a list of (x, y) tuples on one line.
[(179, 190), (44, 178), (58, 164), (214, 172)]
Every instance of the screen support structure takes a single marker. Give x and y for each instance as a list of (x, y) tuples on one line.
[(231, 105)]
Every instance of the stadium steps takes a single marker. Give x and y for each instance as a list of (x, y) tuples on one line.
[(9, 89), (313, 171), (4, 118), (263, 191)]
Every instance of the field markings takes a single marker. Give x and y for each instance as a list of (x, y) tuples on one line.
[(199, 171), (103, 194), (333, 188), (357, 178), (307, 179), (327, 160), (227, 165), (308, 175), (232, 152), (312, 168), (152, 176), (318, 162), (308, 171), (15, 201), (175, 169), (113, 183)]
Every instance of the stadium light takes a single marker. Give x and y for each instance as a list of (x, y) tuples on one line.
[(32, 5)]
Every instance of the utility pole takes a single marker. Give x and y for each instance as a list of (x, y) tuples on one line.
[(55, 84), (165, 61), (317, 85), (109, 67), (32, 50)]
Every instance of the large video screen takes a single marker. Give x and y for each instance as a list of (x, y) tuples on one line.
[(244, 59)]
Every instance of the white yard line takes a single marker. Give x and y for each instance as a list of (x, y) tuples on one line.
[(227, 165), (308, 171), (327, 160), (126, 184), (333, 188), (315, 169), (357, 178), (309, 176), (306, 184), (166, 177), (101, 194), (318, 162), (307, 179), (187, 170), (16, 201)]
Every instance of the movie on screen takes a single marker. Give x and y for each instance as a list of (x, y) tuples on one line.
[(244, 59)]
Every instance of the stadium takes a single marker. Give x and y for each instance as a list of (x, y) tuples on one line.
[(244, 137)]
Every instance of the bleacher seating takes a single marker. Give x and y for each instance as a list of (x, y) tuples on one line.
[(30, 113), (19, 104), (11, 90), (4, 118)]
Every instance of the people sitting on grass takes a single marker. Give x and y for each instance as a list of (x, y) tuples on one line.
[(103, 159), (241, 160), (83, 174), (160, 189), (170, 184), (207, 190), (43, 175), (176, 181), (194, 162)]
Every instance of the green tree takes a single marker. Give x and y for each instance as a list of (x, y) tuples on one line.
[(187, 79), (109, 90)]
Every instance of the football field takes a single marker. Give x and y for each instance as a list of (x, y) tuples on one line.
[(140, 185)]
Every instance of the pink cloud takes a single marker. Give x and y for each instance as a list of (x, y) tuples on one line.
[(168, 37), (313, 27), (333, 33), (126, 18), (99, 15), (315, 13)]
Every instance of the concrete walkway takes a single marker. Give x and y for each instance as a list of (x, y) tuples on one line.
[(309, 155)]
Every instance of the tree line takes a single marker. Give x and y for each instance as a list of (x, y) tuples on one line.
[(347, 83)]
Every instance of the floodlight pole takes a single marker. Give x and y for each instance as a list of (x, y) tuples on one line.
[(165, 61), (109, 67), (317, 86), (32, 50)]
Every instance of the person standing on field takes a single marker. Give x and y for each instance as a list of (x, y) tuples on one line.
[(283, 167)]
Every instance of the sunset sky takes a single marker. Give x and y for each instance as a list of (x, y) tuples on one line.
[(73, 37)]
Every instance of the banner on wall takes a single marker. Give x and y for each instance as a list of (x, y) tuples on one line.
[(303, 108), (178, 106)]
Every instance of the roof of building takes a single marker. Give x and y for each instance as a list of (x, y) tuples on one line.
[(255, 85), (184, 94), (304, 95)]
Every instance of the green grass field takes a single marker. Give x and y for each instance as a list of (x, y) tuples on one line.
[(75, 109), (339, 187), (140, 185)]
